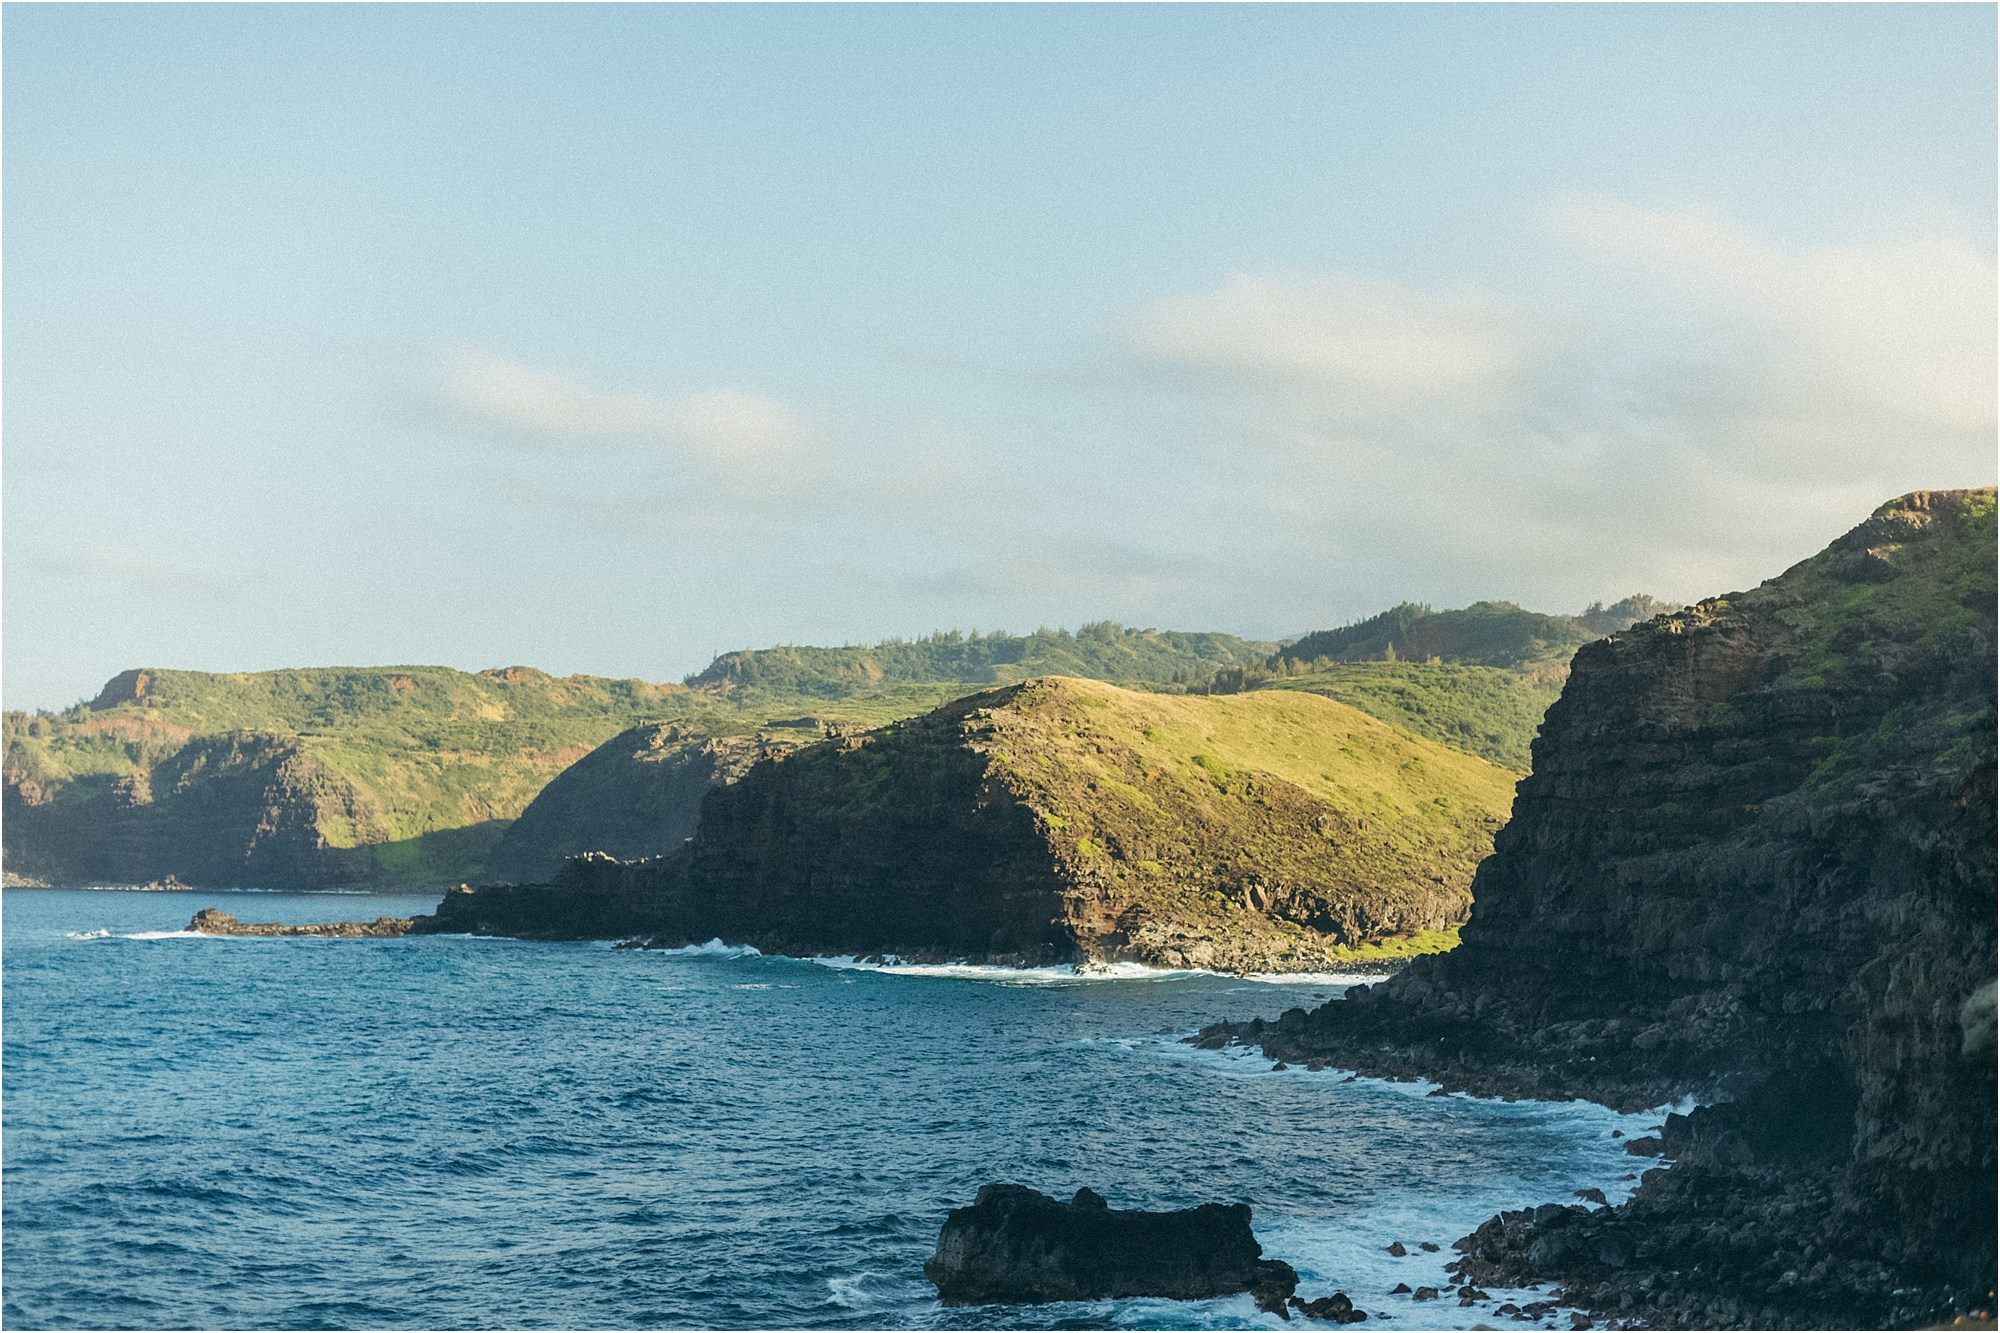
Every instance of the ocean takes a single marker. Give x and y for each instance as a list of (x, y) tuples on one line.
[(456, 1132)]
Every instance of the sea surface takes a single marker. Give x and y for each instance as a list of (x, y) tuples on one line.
[(453, 1132)]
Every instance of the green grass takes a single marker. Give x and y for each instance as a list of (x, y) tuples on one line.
[(1884, 602), (1185, 804), (1485, 711)]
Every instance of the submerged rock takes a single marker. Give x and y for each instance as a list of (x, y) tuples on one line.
[(1015, 1244)]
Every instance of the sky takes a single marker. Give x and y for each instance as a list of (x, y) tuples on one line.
[(605, 338)]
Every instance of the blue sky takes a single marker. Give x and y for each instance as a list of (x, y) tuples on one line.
[(603, 338)]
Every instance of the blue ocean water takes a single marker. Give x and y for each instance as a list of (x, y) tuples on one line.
[(450, 1132)]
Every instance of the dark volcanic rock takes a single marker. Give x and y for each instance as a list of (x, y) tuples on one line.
[(1755, 864), (638, 795), (1017, 1245)]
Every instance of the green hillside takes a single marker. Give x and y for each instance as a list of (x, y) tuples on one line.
[(404, 775), (1103, 650), (1478, 679), (414, 768), (410, 774), (1498, 634), (1486, 711), (1065, 820)]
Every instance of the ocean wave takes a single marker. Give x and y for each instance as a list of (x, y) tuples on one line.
[(1070, 973), (171, 935), (1059, 974), (87, 934), (715, 948)]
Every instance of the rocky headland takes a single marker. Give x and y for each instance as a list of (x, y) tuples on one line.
[(1754, 865), (1062, 820)]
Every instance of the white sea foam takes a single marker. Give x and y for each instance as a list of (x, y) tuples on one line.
[(869, 1290), (87, 934), (1069, 973), (715, 948), (1058, 975), (171, 935)]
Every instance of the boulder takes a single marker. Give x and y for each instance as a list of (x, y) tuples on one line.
[(1015, 1244)]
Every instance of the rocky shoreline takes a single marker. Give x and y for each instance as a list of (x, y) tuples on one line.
[(1754, 865)]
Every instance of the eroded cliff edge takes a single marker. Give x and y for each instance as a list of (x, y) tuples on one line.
[(1754, 863)]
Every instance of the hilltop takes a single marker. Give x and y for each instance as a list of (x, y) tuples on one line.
[(1101, 650), (1066, 819), (1491, 634), (1478, 679)]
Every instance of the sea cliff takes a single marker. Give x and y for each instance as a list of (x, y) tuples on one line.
[(1064, 820), (1753, 864)]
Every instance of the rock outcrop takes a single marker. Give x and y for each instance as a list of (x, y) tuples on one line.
[(213, 921), (637, 795), (1754, 863), (1062, 820), (1015, 1245)]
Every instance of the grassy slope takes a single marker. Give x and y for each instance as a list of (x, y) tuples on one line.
[(1485, 711), (1117, 775)]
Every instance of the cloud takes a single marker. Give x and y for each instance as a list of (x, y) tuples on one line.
[(1901, 333), (1366, 345), (727, 428), (120, 569), (1685, 407)]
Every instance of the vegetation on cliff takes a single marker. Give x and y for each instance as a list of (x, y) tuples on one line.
[(1755, 862), (414, 774), (318, 776), (1494, 634), (1062, 819)]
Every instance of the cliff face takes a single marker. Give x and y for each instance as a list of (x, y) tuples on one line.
[(638, 795), (379, 776), (1755, 863), (1067, 820), (237, 809)]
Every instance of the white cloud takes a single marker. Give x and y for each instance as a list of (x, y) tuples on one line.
[(1867, 338), (117, 568), (1685, 408), (1370, 346), (727, 428)]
